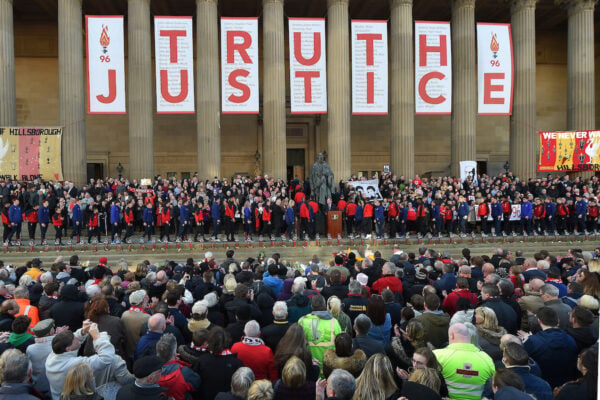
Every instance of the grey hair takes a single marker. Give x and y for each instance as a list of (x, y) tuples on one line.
[(25, 280), (151, 277), (550, 290), (280, 311), (166, 347), (92, 290), (355, 287), (21, 292), (544, 264), (390, 267), (241, 381), (298, 287), (210, 299), (494, 278), (252, 329), (342, 383), (16, 368), (46, 277), (438, 265), (506, 287), (362, 323)]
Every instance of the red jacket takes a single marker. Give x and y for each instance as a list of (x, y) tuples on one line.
[(341, 205), (229, 211), (593, 211), (32, 216), (304, 212), (482, 210), (393, 210), (93, 222), (199, 215), (411, 214), (5, 219), (266, 214), (173, 380), (388, 282), (257, 357), (57, 219), (562, 210), (539, 211), (368, 211), (128, 216), (351, 209), (449, 303)]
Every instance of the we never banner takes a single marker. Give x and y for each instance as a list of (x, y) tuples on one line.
[(105, 64), (174, 54), (308, 74), (494, 69), (239, 65), (569, 151), (30, 153), (369, 67), (433, 68)]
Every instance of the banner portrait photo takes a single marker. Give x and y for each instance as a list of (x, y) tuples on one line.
[(368, 189), (105, 64), (569, 151), (30, 153), (494, 69)]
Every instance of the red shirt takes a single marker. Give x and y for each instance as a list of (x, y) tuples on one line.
[(229, 211), (298, 197), (393, 210), (57, 220), (341, 205), (259, 358), (411, 214), (304, 212), (482, 211), (449, 304), (93, 222), (314, 206), (368, 211), (388, 282), (351, 209)]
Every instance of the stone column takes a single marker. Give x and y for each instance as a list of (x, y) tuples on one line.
[(71, 90), (523, 132), (464, 84), (274, 145), (402, 138), (139, 85), (208, 108), (8, 108), (338, 89)]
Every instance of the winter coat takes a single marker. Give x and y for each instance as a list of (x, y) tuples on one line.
[(489, 341), (114, 327), (328, 328), (353, 364), (382, 332), (178, 379), (283, 392), (16, 391), (368, 345), (132, 391), (414, 390), (69, 309), (436, 327), (507, 317), (298, 306), (256, 356), (556, 353), (132, 323), (37, 354), (534, 385), (273, 333), (216, 373)]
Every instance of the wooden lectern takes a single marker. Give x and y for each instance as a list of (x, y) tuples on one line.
[(334, 224)]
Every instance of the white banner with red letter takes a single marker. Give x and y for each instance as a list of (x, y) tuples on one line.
[(174, 54), (105, 64), (239, 65), (433, 68), (308, 73), (494, 69), (369, 67)]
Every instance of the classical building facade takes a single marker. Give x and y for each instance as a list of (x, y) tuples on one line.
[(42, 83)]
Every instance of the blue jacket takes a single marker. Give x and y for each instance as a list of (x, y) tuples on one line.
[(43, 215), (247, 213), (381, 333), (435, 212), (184, 214), (463, 209), (550, 209), (15, 214), (215, 212), (148, 216), (290, 217), (402, 214), (76, 216), (496, 210), (527, 210), (580, 208), (533, 384), (358, 216), (511, 393), (273, 282), (379, 212), (447, 282), (115, 214), (556, 353), (149, 339)]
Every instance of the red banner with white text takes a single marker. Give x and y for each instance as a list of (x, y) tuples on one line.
[(569, 151)]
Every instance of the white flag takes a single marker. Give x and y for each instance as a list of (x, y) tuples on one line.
[(105, 64), (174, 54), (494, 69), (369, 67), (308, 73)]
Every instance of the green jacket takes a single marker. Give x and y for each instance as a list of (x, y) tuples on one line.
[(320, 329)]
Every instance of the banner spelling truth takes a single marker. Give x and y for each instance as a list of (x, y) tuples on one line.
[(308, 73), (105, 64), (569, 151), (368, 189), (495, 76), (369, 67), (239, 65), (174, 55), (30, 153), (433, 68)]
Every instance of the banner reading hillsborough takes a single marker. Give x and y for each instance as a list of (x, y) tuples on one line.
[(239, 65), (174, 54), (494, 69), (30, 153), (105, 64), (308, 66), (369, 67), (569, 151)]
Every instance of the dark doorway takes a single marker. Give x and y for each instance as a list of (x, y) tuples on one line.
[(295, 164), (481, 167), (95, 171)]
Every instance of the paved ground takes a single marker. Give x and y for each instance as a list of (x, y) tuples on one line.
[(292, 251)]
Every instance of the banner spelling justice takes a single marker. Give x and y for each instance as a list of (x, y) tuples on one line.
[(369, 67), (433, 68), (494, 69), (174, 54), (308, 74), (105, 64), (239, 65)]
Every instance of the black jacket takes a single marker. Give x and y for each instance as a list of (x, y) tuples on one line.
[(273, 333), (69, 310), (132, 391), (368, 345), (507, 317), (216, 373), (341, 291)]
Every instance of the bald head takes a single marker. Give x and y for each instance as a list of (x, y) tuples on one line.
[(157, 323), (536, 284), (459, 333)]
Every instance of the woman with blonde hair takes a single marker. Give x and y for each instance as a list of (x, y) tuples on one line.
[(423, 383), (334, 306), (79, 384), (261, 390), (488, 332), (293, 383), (376, 382), (590, 282)]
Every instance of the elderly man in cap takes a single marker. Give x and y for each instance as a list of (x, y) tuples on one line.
[(38, 352), (65, 346), (133, 319), (147, 371)]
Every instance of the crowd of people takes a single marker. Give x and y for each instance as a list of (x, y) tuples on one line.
[(359, 326), (118, 210)]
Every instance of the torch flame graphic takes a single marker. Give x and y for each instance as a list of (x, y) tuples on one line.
[(494, 45), (104, 38)]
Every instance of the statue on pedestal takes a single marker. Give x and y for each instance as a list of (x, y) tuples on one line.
[(321, 180)]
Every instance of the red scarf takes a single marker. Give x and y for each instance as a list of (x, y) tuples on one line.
[(137, 309), (554, 280)]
